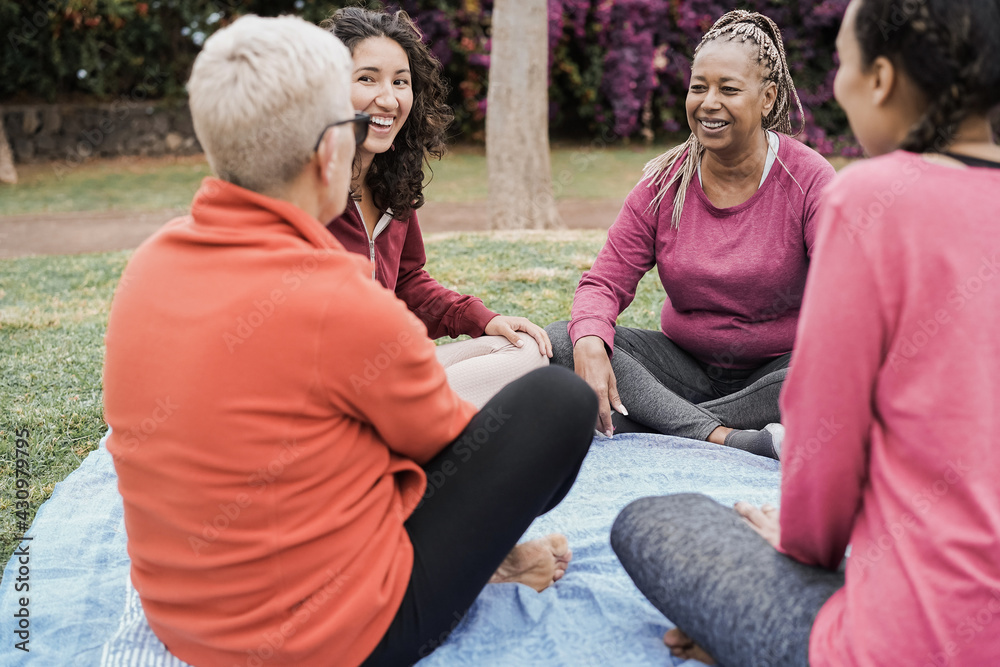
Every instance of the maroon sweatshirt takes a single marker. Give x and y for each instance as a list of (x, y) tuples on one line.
[(733, 277), (397, 255)]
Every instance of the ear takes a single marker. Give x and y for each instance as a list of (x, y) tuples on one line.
[(883, 80), (770, 98), (326, 155)]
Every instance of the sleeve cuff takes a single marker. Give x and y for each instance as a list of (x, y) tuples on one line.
[(592, 326), (477, 316)]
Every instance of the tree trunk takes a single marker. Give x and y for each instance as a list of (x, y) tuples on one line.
[(7, 172), (517, 118)]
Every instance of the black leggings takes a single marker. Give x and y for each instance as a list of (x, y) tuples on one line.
[(516, 460)]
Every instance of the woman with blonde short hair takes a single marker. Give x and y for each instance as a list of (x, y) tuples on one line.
[(313, 492)]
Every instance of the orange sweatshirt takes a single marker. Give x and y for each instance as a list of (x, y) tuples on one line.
[(270, 408)]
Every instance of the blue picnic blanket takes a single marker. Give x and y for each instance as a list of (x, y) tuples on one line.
[(84, 611)]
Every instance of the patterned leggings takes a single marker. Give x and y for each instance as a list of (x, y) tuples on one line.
[(480, 367)]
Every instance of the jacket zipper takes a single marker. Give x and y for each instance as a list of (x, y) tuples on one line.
[(371, 241), (371, 252)]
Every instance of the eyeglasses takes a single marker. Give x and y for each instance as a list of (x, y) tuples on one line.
[(360, 122)]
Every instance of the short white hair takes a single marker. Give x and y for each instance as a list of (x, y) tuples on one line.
[(261, 91)]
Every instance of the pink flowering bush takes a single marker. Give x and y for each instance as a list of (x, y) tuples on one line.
[(617, 68), (639, 62), (620, 68)]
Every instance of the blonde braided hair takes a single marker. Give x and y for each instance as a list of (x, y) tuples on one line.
[(743, 25)]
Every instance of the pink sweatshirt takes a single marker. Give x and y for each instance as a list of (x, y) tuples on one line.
[(734, 277), (892, 410)]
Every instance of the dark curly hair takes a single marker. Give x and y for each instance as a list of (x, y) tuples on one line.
[(396, 177), (949, 48)]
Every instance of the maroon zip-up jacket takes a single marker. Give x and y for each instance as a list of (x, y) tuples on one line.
[(397, 256)]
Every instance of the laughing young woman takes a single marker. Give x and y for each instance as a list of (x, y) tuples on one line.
[(728, 218), (396, 80)]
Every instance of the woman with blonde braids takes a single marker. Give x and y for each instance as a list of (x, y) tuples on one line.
[(728, 219), (886, 549)]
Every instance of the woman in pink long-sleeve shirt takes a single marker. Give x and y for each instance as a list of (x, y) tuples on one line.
[(728, 218), (893, 400)]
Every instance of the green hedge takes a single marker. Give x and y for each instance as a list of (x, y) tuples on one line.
[(618, 67)]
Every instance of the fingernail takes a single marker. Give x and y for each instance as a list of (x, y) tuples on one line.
[(519, 343), (622, 410)]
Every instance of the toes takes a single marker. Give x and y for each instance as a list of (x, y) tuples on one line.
[(683, 646), (538, 563), (559, 545), (676, 639)]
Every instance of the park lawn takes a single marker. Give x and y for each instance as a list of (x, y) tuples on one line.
[(587, 171), (54, 310), (584, 171), (579, 171), (126, 184)]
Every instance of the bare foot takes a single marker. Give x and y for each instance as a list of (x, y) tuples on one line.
[(537, 563), (682, 647)]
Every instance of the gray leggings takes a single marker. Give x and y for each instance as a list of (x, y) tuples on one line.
[(666, 390), (725, 587)]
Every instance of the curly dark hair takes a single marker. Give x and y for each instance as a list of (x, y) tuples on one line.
[(396, 177), (949, 48)]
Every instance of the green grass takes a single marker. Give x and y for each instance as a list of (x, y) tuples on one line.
[(53, 314), (578, 172), (141, 184), (138, 184), (134, 184), (122, 184)]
